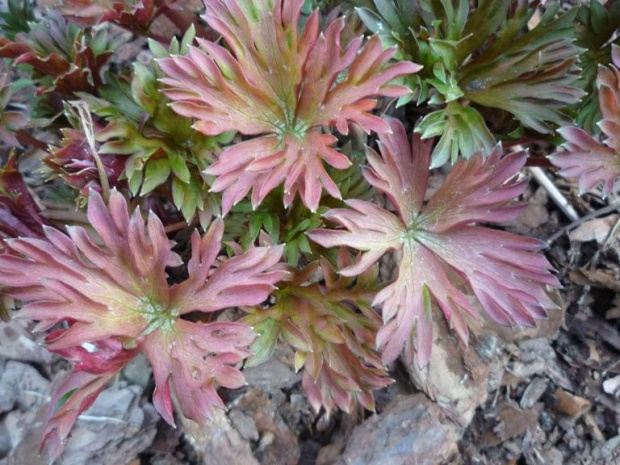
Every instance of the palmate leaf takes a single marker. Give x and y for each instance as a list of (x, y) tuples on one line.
[(115, 294), (442, 246), (585, 158), (282, 84), (332, 329)]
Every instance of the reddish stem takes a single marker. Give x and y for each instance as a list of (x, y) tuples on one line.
[(537, 161), (27, 139)]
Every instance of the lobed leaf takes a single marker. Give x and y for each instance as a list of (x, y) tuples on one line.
[(445, 255), (282, 83)]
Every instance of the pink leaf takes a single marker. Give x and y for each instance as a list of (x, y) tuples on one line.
[(445, 256), (585, 158), (191, 358), (279, 82)]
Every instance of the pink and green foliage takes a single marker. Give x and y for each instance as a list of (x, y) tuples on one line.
[(115, 295), (282, 84), (74, 163), (133, 14), (332, 328), (445, 254), (61, 51), (584, 157), (19, 213), (10, 121)]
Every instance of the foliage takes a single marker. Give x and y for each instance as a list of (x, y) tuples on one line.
[(278, 83), (332, 328), (63, 56), (17, 18), (486, 56), (597, 31), (116, 295), (10, 121), (161, 147), (585, 158), (442, 247), (242, 149), (136, 15)]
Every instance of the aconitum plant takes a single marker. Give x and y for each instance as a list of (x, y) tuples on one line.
[(239, 191)]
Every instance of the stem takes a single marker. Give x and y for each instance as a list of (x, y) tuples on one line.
[(557, 197), (27, 139), (177, 226), (89, 131), (540, 162)]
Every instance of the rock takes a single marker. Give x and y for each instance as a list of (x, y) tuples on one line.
[(612, 385), (17, 343), (217, 442), (513, 421), (456, 377), (329, 454), (5, 440), (411, 430), (244, 424), (277, 444), (536, 356), (276, 373), (21, 385), (167, 459), (533, 392), (597, 230), (138, 371), (552, 456), (26, 429), (113, 431)]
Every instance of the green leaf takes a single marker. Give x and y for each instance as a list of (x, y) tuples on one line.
[(63, 400), (264, 345), (462, 130), (179, 167), (156, 173)]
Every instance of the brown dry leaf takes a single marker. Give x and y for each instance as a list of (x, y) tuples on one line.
[(597, 278), (572, 405), (593, 427), (593, 356), (597, 230), (614, 312), (514, 422)]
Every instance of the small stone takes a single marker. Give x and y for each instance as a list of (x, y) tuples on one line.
[(533, 392), (18, 343), (21, 385), (138, 371), (428, 439), (546, 421), (612, 385), (244, 424)]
